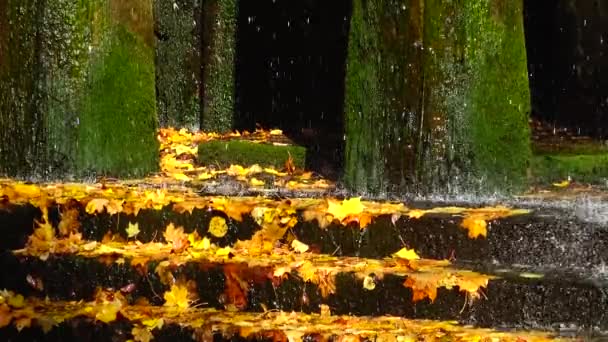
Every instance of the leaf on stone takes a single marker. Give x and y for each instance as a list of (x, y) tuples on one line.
[(369, 283), (475, 225), (218, 226), (96, 205), (177, 297), (132, 230), (406, 254), (341, 210), (176, 237), (299, 247)]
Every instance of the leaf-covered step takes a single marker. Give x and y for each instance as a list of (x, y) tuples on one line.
[(110, 318), (223, 227), (343, 227), (537, 237), (243, 279)]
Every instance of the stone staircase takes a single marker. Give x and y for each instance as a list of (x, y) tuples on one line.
[(160, 259), (107, 263)]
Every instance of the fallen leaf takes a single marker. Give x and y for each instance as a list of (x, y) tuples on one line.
[(475, 225), (406, 254), (177, 297), (132, 230), (218, 226), (369, 283), (299, 247)]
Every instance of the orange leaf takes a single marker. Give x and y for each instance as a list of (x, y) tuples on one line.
[(176, 237), (475, 225)]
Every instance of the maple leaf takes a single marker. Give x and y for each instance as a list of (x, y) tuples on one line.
[(107, 311), (423, 287), (132, 230), (218, 226), (177, 297), (69, 222), (176, 237), (96, 205), (341, 210), (475, 225)]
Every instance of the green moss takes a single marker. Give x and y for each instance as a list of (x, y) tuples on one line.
[(592, 168), (499, 98), (178, 62), (381, 91), (225, 153), (220, 18), (82, 78), (118, 121)]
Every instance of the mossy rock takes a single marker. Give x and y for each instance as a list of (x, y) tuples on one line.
[(584, 168), (242, 152)]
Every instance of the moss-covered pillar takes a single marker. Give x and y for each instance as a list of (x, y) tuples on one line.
[(466, 95), (178, 30), (383, 81), (476, 96), (77, 88), (219, 51)]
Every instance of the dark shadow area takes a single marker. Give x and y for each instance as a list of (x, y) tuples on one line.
[(291, 58), (567, 45)]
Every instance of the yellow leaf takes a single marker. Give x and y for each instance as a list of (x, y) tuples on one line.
[(96, 205), (340, 210), (476, 226), (154, 323), (205, 176), (223, 251), (16, 301), (299, 247), (416, 213), (132, 230), (218, 226), (177, 297), (369, 283), (563, 183), (407, 254), (256, 182), (107, 311), (276, 132), (181, 177)]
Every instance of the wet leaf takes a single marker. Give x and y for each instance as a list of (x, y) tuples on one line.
[(132, 229), (218, 226), (299, 247), (177, 297), (369, 283), (476, 226), (406, 254)]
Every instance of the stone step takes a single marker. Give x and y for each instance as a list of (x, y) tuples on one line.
[(537, 236), (110, 318), (246, 279)]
